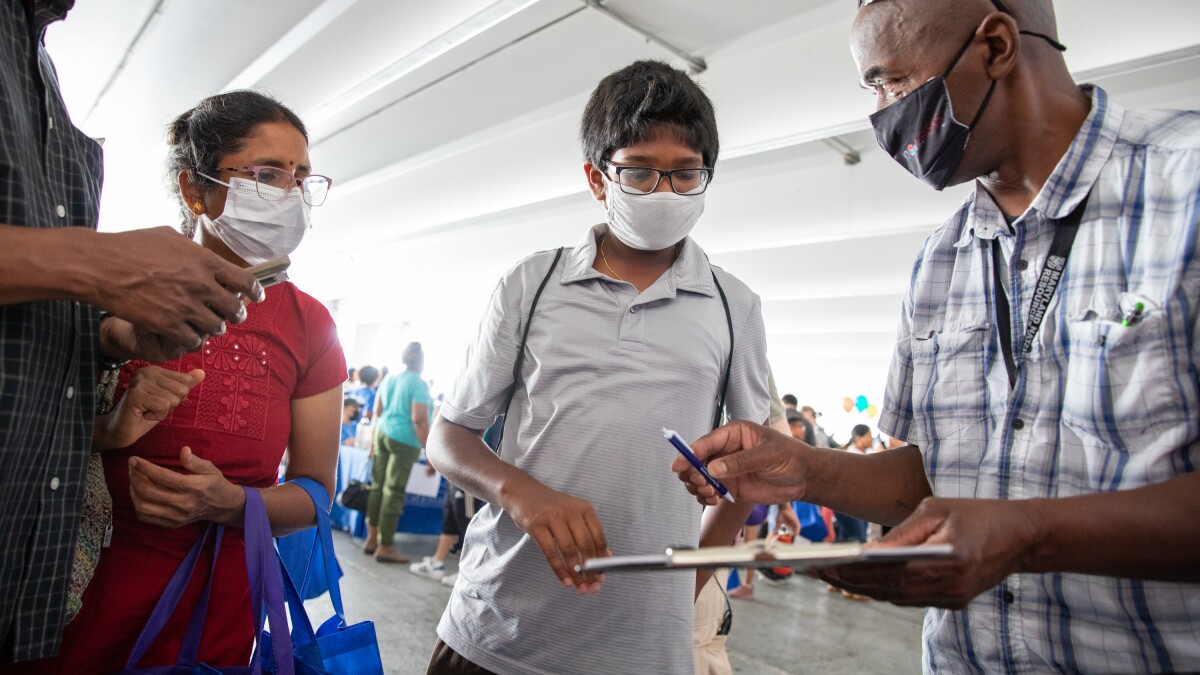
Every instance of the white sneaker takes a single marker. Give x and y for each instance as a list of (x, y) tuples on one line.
[(429, 568), (449, 579)]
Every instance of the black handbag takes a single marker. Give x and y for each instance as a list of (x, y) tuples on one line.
[(355, 496)]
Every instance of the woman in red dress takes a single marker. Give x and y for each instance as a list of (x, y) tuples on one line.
[(269, 383)]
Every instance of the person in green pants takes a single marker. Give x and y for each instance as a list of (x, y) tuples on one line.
[(404, 411)]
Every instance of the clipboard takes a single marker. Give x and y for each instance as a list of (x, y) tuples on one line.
[(761, 555)]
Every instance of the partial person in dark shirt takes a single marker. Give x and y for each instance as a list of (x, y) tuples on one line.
[(163, 296)]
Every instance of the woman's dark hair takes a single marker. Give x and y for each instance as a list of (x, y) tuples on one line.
[(858, 431), (413, 355), (367, 375), (810, 436), (633, 104), (216, 127)]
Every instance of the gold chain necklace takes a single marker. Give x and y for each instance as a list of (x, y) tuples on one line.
[(605, 260)]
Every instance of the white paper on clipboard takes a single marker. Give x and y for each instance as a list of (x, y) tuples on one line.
[(421, 483)]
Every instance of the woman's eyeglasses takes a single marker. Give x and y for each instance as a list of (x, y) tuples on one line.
[(314, 188)]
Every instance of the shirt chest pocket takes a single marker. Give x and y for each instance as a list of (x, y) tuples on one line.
[(1122, 386), (949, 388)]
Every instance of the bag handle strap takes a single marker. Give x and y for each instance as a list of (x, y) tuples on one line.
[(520, 362), (171, 596), (724, 396), (323, 543), (266, 584), (189, 651), (304, 637)]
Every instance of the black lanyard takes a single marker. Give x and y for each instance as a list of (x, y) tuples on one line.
[(1047, 284)]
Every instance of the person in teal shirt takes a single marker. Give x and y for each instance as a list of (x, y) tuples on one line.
[(404, 411)]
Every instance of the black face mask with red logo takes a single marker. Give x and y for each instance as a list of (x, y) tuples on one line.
[(920, 130)]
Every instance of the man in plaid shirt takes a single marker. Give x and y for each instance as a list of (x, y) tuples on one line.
[(1045, 374), (165, 294)]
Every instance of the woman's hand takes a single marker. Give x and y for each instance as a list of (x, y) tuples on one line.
[(170, 499), (153, 393)]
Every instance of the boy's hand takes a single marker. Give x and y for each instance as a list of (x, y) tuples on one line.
[(566, 529)]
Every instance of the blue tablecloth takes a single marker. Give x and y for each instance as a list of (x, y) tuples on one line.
[(422, 515)]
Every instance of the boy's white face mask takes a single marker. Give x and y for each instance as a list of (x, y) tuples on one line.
[(651, 222), (258, 229)]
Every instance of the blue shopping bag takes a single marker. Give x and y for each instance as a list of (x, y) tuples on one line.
[(266, 598), (295, 550), (335, 647), (812, 525)]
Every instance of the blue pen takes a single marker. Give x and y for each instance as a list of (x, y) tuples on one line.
[(690, 456)]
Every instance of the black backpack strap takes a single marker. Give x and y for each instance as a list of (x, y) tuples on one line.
[(520, 362), (724, 396)]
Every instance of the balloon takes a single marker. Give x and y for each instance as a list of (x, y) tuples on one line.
[(872, 411), (847, 404), (861, 403)]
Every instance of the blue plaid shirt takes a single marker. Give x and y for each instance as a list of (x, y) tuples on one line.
[(1097, 406)]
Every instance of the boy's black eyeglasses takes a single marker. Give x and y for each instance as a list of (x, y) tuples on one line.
[(642, 180)]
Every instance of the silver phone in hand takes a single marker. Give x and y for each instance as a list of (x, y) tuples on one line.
[(271, 272)]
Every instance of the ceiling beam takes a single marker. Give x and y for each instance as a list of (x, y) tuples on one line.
[(428, 53), (151, 17), (306, 29), (695, 63)]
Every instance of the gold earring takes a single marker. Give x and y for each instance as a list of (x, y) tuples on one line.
[(197, 208)]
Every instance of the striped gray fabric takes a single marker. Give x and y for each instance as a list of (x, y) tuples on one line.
[(50, 175), (1102, 406), (605, 369)]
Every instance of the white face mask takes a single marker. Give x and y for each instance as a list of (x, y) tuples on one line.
[(651, 222), (257, 229)]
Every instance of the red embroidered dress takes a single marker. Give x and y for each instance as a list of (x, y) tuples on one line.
[(239, 418)]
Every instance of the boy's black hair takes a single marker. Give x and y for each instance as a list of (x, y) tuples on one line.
[(633, 104), (788, 398)]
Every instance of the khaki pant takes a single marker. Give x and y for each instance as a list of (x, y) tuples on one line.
[(708, 648), (385, 503)]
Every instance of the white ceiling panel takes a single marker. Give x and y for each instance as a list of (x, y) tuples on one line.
[(108, 35), (525, 77), (705, 26), (830, 269), (469, 43), (352, 48)]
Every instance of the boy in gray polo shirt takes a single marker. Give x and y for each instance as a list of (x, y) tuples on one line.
[(632, 332)]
